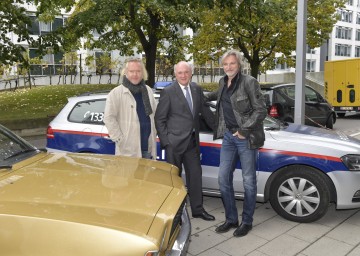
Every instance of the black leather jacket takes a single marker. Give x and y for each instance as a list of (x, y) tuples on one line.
[(249, 109)]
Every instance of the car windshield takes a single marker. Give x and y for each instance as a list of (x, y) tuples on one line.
[(273, 124), (13, 148)]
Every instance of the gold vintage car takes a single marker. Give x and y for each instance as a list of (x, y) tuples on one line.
[(86, 204)]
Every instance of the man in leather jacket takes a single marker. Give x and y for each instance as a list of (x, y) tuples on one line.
[(240, 112)]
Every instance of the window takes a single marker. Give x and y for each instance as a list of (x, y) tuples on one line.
[(280, 66), (39, 27), (352, 96), (50, 59), (310, 65), (8, 147), (357, 51), (342, 50), (343, 32), (289, 91), (339, 96), (58, 23), (310, 50), (102, 60), (58, 57), (349, 2), (311, 95), (45, 27), (345, 15), (90, 112), (278, 98), (34, 27)]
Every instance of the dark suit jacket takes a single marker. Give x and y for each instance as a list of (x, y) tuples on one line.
[(173, 118)]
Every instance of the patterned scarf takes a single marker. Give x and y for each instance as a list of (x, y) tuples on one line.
[(134, 89)]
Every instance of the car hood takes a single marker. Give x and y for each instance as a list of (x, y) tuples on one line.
[(103, 193), (320, 137)]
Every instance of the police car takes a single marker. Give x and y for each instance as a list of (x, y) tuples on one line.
[(300, 169)]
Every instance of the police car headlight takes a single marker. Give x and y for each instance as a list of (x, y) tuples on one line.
[(352, 162)]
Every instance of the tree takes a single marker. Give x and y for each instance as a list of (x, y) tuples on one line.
[(13, 19), (127, 26), (262, 28)]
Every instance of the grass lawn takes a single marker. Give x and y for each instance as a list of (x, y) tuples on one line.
[(40, 102), (35, 107)]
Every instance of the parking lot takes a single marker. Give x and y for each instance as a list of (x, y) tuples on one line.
[(337, 233)]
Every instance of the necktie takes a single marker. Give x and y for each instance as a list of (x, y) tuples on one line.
[(188, 98)]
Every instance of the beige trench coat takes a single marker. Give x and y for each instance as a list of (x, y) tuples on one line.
[(122, 122)]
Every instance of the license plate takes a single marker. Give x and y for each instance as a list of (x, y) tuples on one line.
[(346, 108)]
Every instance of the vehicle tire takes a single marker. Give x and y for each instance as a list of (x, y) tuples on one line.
[(300, 193), (289, 119), (330, 122), (340, 114)]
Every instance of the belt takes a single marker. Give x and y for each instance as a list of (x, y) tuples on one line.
[(233, 130)]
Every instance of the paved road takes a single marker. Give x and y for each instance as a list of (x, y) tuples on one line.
[(350, 124), (336, 234)]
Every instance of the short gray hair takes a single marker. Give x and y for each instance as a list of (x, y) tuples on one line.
[(191, 67)]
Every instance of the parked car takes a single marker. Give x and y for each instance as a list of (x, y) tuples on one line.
[(280, 101), (301, 169), (82, 204)]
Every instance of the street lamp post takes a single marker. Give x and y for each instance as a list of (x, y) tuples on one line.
[(299, 113)]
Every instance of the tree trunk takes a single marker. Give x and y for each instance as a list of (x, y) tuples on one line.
[(150, 54)]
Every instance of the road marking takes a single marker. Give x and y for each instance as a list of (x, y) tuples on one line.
[(355, 134)]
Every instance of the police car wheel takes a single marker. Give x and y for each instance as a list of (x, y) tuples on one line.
[(300, 193)]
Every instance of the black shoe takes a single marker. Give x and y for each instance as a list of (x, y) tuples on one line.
[(242, 230), (226, 226), (204, 215)]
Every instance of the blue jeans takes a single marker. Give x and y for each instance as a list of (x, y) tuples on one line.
[(232, 150)]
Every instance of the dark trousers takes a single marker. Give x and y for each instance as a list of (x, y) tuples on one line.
[(190, 159)]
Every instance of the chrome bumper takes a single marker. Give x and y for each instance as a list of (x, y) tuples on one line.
[(181, 243)]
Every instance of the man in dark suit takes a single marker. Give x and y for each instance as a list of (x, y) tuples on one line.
[(177, 122)]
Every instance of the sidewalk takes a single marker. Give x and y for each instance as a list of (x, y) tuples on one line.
[(337, 233)]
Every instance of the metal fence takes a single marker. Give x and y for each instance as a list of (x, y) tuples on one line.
[(71, 74)]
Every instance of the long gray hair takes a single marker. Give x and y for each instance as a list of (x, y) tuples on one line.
[(235, 53)]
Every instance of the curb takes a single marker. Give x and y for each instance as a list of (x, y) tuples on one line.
[(24, 128), (31, 132)]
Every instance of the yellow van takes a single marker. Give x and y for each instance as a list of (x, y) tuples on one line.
[(342, 85)]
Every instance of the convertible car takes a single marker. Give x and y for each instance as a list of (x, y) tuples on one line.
[(87, 204)]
